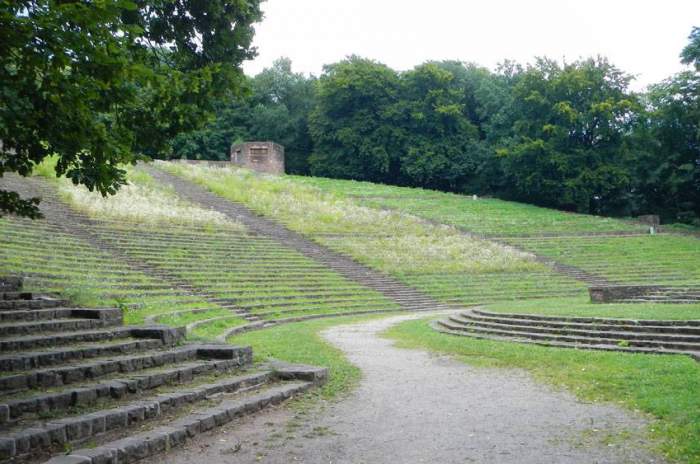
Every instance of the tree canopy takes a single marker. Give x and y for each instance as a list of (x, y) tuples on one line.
[(100, 83), (571, 135)]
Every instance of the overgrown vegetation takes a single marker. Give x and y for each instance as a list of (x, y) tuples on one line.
[(99, 83), (572, 136), (390, 241), (437, 259), (483, 216), (141, 200), (663, 386)]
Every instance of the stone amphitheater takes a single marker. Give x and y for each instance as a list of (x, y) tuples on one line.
[(79, 386)]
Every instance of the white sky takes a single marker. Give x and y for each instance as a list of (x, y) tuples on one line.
[(643, 37)]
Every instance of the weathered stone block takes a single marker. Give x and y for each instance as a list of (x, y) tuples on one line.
[(84, 396), (158, 442), (99, 455), (176, 436), (10, 283), (136, 413), (131, 449), (116, 419), (4, 413), (77, 428), (8, 448), (619, 292), (206, 422), (168, 335), (313, 374)]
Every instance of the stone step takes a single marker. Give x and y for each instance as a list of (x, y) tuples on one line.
[(692, 341), (193, 409), (586, 319), (9, 283), (35, 314), (119, 422), (581, 340), (620, 325), (53, 325), (657, 301), (440, 327), (24, 360), (95, 368), (38, 303), (177, 432), (168, 335), (88, 394), (60, 312)]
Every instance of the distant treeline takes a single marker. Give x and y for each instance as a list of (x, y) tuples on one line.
[(571, 136)]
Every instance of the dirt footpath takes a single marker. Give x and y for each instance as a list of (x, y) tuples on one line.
[(414, 407)]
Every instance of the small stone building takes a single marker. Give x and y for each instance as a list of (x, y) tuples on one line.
[(259, 156)]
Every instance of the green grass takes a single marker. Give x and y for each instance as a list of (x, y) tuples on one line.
[(666, 387), (582, 307), (437, 259), (657, 259), (486, 216), (55, 261), (302, 343)]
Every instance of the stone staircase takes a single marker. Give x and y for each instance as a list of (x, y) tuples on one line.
[(407, 297), (79, 387), (637, 336), (80, 225)]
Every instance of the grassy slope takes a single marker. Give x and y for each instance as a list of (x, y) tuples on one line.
[(437, 259), (59, 262), (660, 259), (149, 222), (664, 386), (485, 215)]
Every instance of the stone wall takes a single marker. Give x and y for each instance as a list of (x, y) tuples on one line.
[(619, 292), (259, 156)]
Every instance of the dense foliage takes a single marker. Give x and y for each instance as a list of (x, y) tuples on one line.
[(571, 136), (277, 109), (98, 82)]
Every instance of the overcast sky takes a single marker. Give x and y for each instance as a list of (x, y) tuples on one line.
[(643, 37)]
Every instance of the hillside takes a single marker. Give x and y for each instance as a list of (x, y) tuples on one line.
[(209, 270), (222, 251)]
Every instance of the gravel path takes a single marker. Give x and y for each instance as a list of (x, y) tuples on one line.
[(414, 407)]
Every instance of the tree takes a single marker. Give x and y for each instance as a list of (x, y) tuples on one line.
[(442, 142), (691, 53), (277, 108), (282, 101), (352, 125), (569, 147), (98, 83), (669, 174)]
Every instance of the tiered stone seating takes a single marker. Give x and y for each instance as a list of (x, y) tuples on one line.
[(76, 379), (639, 336)]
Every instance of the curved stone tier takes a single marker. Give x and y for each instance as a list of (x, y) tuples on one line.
[(637, 336)]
